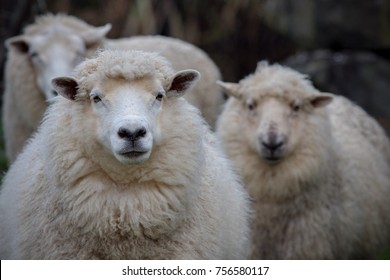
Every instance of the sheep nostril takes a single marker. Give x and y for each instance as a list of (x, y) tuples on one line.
[(140, 133), (272, 146), (123, 133), (135, 135)]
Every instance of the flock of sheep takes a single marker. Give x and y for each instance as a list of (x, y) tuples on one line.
[(109, 161)]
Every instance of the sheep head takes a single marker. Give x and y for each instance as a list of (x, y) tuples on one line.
[(126, 106), (277, 105), (55, 50)]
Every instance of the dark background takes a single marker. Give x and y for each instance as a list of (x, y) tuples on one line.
[(342, 44)]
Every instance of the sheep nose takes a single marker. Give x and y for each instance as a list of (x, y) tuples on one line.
[(132, 135), (272, 146)]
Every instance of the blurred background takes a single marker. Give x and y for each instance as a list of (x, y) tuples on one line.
[(343, 45)]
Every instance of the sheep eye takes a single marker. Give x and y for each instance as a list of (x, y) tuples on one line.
[(251, 105), (96, 99), (296, 107), (33, 54), (159, 96)]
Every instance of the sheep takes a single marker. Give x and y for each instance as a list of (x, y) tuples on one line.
[(123, 167), (315, 165), (55, 44), (50, 47)]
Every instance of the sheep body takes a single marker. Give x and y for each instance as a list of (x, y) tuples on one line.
[(68, 197), (324, 190)]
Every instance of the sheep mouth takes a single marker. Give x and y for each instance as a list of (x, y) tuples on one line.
[(133, 154), (130, 156), (273, 159)]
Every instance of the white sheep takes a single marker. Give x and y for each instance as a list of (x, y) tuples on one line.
[(316, 166), (123, 168), (49, 48), (55, 44)]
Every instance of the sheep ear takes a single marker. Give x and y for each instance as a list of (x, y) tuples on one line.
[(261, 65), (321, 100), (19, 43), (182, 82), (95, 35), (66, 87), (231, 89)]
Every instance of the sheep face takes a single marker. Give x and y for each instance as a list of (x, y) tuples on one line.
[(273, 121), (275, 117), (127, 113), (54, 52)]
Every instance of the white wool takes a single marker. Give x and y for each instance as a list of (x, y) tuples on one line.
[(112, 65)]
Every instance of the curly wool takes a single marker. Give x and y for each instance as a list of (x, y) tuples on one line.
[(112, 65)]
